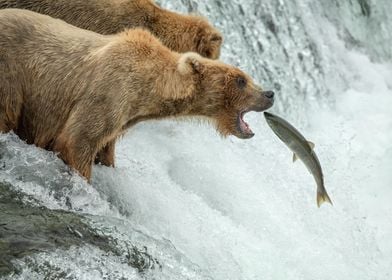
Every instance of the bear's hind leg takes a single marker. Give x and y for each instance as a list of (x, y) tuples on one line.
[(11, 98), (10, 111)]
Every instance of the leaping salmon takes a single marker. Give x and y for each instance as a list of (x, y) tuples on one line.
[(302, 149)]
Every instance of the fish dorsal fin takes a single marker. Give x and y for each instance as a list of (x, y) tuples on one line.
[(295, 157), (311, 145)]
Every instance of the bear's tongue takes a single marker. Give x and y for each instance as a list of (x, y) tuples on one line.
[(244, 127)]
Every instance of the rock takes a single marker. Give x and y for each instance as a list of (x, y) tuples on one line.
[(27, 228)]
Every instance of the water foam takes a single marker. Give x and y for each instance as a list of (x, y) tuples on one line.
[(241, 209)]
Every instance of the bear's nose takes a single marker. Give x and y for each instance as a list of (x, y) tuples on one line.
[(269, 94)]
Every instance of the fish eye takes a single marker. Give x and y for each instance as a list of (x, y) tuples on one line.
[(241, 82)]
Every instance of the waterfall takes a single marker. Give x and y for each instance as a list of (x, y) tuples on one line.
[(200, 207)]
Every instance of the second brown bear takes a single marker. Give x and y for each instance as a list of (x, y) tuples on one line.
[(181, 33)]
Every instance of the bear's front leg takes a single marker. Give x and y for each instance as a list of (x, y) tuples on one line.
[(77, 153), (106, 155), (90, 127)]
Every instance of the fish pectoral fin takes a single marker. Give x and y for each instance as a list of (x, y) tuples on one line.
[(311, 145), (295, 157)]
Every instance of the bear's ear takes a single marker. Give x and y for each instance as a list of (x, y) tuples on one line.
[(190, 63)]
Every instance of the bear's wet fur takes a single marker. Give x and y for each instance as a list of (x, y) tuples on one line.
[(75, 91)]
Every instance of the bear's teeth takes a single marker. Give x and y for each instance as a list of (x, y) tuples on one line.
[(244, 125)]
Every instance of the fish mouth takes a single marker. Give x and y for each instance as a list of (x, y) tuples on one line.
[(244, 131), (270, 118), (268, 115)]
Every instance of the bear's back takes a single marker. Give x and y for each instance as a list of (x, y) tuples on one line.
[(24, 32)]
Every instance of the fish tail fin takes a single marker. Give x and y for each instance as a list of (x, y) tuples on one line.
[(322, 197)]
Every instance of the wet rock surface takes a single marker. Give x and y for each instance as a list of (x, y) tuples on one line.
[(27, 228)]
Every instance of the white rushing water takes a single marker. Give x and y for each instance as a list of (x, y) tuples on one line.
[(212, 208)]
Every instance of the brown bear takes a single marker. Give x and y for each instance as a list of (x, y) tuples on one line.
[(75, 92), (181, 33)]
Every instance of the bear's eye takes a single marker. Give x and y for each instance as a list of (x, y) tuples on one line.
[(241, 82), (216, 38)]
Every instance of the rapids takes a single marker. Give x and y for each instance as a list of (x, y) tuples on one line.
[(210, 208)]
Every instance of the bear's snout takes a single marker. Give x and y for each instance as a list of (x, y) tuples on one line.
[(262, 100), (267, 99), (269, 94)]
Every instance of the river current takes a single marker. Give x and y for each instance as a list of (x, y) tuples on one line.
[(210, 208)]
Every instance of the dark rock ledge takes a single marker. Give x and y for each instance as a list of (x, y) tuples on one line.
[(27, 228)]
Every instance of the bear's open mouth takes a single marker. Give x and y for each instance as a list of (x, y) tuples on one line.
[(243, 127)]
